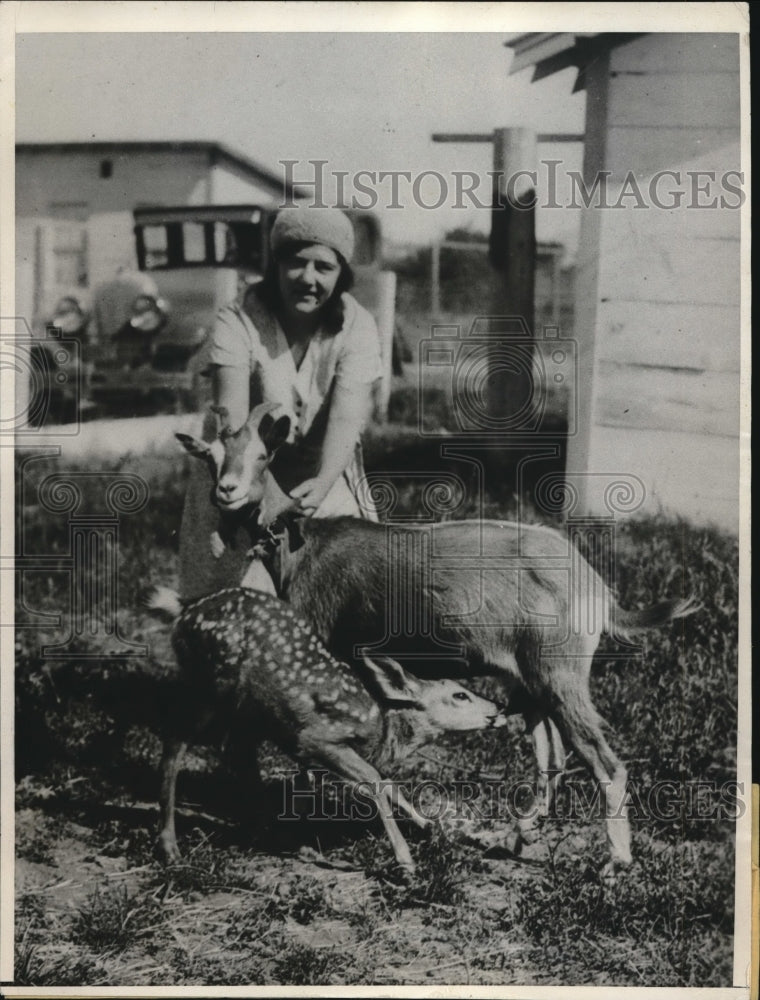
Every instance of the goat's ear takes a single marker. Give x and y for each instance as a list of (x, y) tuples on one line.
[(274, 503), (257, 414), (394, 683), (196, 447), (274, 432)]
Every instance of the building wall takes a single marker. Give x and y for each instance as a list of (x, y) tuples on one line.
[(69, 185), (55, 192), (229, 188), (657, 295)]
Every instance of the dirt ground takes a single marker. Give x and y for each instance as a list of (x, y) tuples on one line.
[(261, 901), (321, 902), (297, 918)]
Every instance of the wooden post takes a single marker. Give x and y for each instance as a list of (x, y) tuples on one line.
[(513, 256), (513, 252), (556, 292), (386, 325), (435, 280)]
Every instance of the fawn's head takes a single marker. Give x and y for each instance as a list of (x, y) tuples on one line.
[(443, 705), (238, 459)]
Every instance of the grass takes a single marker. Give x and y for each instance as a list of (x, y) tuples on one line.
[(95, 908), (112, 919), (654, 910), (305, 965), (443, 866)]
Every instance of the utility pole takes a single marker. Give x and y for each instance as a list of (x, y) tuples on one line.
[(512, 253)]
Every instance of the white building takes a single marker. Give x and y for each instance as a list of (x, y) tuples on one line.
[(657, 286), (74, 205)]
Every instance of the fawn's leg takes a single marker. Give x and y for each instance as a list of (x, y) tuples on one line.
[(398, 798), (170, 764), (241, 752), (349, 765)]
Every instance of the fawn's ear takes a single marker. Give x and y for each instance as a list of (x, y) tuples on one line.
[(394, 683), (196, 447), (274, 432)]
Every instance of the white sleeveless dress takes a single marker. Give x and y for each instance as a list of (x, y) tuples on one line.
[(246, 334)]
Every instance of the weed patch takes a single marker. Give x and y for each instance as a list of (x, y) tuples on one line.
[(87, 747), (112, 919), (305, 965), (654, 908)]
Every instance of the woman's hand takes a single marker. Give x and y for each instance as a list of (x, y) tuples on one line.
[(231, 391), (310, 493)]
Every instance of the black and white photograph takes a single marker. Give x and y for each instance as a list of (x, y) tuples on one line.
[(374, 530)]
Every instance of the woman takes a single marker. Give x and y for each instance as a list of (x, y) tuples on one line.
[(298, 339)]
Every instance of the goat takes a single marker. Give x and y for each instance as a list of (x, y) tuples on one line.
[(237, 461), (497, 597), (247, 656)]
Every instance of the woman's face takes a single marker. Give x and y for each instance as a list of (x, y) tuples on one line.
[(307, 278)]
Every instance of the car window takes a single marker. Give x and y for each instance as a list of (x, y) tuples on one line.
[(194, 242), (156, 244)]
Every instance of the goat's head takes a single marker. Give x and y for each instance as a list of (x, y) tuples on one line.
[(239, 459)]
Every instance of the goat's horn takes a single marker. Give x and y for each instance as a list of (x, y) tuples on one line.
[(224, 417), (258, 412)]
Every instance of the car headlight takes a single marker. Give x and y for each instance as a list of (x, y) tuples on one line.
[(148, 314), (69, 316)]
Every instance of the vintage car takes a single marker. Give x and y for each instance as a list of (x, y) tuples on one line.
[(133, 346), (198, 257)]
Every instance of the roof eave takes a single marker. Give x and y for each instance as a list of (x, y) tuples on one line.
[(537, 46), (549, 53), (217, 152)]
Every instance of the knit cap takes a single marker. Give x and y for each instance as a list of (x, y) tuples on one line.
[(309, 224)]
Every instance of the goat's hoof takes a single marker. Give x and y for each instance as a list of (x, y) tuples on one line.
[(526, 837), (612, 871), (531, 850), (609, 874), (424, 827), (407, 869), (168, 853), (217, 545), (522, 841)]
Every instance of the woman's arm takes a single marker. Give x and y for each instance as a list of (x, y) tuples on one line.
[(231, 389), (349, 412)]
